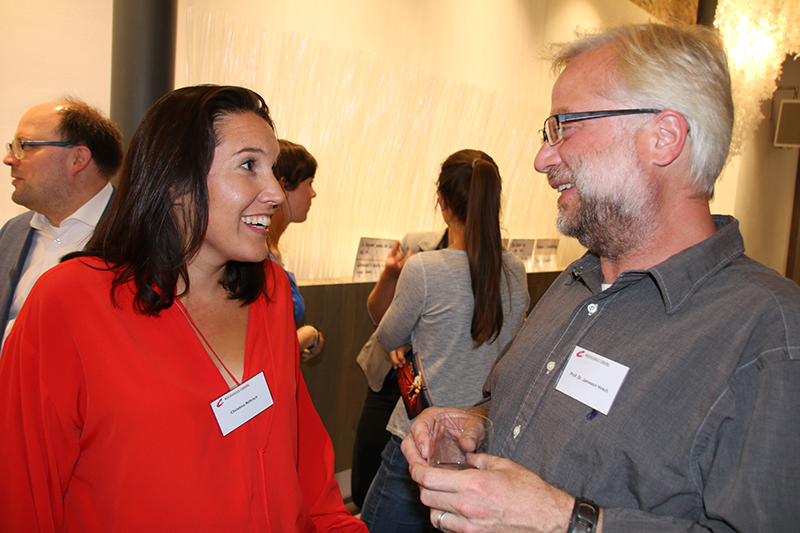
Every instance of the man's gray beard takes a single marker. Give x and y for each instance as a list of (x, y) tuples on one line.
[(606, 229)]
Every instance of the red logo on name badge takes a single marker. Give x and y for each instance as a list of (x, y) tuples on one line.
[(580, 354), (219, 403)]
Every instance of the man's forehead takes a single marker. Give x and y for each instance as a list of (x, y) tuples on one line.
[(584, 82), (41, 119)]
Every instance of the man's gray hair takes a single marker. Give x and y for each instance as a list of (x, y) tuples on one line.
[(683, 68)]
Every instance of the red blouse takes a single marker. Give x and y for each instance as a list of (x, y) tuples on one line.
[(105, 422)]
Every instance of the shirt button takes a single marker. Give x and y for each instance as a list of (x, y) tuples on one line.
[(516, 431), (592, 308), (58, 241), (550, 366)]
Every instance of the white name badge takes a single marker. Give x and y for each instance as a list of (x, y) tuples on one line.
[(592, 379), (242, 404)]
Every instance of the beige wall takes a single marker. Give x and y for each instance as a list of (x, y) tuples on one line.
[(50, 48), (478, 82), (491, 44), (765, 192)]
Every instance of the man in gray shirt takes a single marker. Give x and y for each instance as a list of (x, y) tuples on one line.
[(655, 386)]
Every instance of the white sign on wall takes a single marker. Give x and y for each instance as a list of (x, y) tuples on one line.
[(523, 250), (370, 258), (545, 256)]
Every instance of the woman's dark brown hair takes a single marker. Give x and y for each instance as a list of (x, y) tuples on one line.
[(159, 215), (295, 164)]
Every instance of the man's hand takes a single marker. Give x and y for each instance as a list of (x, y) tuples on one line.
[(499, 496), (416, 445)]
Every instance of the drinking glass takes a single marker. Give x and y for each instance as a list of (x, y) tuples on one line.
[(456, 433)]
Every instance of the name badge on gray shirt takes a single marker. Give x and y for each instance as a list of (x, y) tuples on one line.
[(592, 379)]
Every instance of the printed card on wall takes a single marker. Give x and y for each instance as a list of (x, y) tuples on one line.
[(523, 249), (545, 257), (370, 257)]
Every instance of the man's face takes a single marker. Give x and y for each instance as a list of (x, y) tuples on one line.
[(40, 178), (607, 197)]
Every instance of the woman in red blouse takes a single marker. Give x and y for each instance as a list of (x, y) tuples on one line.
[(152, 382)]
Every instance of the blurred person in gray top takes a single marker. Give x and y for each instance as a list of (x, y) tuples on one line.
[(655, 386), (382, 390), (457, 308), (62, 157)]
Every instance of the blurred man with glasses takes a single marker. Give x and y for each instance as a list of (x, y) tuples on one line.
[(62, 157), (655, 386)]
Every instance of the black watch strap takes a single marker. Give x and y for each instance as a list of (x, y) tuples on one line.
[(585, 516)]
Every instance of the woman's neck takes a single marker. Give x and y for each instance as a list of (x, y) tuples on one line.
[(456, 236), (273, 249), (204, 280)]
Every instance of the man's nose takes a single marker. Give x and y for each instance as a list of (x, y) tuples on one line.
[(546, 158), (9, 159)]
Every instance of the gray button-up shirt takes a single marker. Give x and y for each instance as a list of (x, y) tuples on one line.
[(704, 432)]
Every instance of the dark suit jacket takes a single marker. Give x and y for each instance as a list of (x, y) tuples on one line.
[(16, 238), (15, 242)]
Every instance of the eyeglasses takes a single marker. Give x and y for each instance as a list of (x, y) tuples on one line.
[(18, 147), (553, 135)]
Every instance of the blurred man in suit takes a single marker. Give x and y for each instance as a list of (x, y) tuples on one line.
[(62, 157)]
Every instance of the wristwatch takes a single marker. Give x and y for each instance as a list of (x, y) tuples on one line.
[(584, 517)]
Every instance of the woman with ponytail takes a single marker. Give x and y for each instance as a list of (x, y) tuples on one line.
[(457, 308)]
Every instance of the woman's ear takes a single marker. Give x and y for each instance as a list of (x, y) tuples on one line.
[(442, 203)]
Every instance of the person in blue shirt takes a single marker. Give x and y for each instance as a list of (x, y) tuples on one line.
[(295, 170)]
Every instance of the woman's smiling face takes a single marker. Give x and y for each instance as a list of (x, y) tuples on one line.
[(243, 193)]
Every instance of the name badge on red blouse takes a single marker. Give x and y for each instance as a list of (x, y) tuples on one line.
[(242, 404)]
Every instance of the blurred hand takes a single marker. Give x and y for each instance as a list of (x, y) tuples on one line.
[(310, 340), (382, 293), (398, 356), (395, 261)]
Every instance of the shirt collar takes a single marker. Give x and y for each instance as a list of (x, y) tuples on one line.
[(89, 213), (587, 269), (680, 275)]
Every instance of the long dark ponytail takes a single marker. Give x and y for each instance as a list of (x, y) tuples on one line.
[(470, 185)]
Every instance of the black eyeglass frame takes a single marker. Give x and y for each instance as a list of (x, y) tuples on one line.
[(23, 144), (573, 117)]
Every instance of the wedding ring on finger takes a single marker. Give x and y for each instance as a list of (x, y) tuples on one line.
[(439, 525)]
